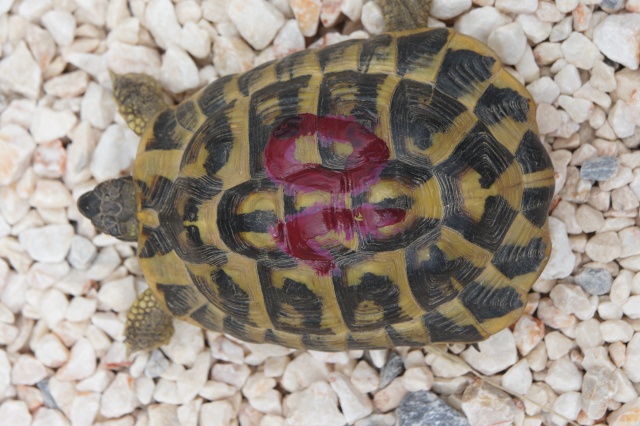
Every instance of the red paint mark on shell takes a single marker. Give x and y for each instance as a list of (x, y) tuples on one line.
[(311, 234)]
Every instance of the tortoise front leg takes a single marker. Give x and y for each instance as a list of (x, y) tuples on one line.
[(149, 325)]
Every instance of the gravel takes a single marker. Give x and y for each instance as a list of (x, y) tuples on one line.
[(65, 290)]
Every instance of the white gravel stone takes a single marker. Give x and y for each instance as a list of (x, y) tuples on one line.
[(192, 380), (517, 6), (416, 379), (20, 73), (185, 345), (317, 405), (354, 404), (563, 376), (17, 147), (568, 405), (178, 73), (496, 353), (119, 398), (161, 20), (16, 412), (81, 364), (194, 39), (603, 77), (485, 405), (352, 9), (98, 107), (303, 371), (561, 261), (219, 413), (447, 9), (259, 391), (231, 55), (114, 153), (589, 219), (27, 370), (212, 390), (547, 53), (49, 243), (558, 345), (481, 22), (566, 6), (289, 40), (536, 30), (61, 25), (372, 18), (579, 110), (616, 331), (509, 42), (50, 351), (389, 398), (50, 194), (544, 90), (568, 79), (620, 120), (527, 333), (48, 124), (561, 30), (81, 253), (258, 21), (307, 13), (232, 374), (618, 37), (580, 51), (518, 378), (604, 247), (364, 377), (588, 335)]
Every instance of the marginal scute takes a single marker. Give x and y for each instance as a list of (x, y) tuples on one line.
[(486, 303), (417, 50), (531, 155), (442, 328), (535, 204), (514, 260)]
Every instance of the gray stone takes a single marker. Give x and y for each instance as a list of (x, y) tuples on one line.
[(612, 6), (391, 370), (425, 408), (601, 168), (595, 281)]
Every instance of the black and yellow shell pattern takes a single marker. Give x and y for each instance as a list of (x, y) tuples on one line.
[(464, 171)]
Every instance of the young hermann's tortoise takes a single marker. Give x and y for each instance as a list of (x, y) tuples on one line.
[(375, 193)]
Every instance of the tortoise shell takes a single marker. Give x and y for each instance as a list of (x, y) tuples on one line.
[(374, 193)]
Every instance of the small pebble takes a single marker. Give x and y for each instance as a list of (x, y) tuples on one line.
[(391, 370), (594, 281), (484, 404), (580, 51), (599, 169), (318, 405), (618, 38), (426, 408), (258, 21)]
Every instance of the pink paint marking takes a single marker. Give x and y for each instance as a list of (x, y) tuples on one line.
[(304, 235)]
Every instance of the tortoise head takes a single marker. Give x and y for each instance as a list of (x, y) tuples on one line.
[(111, 207)]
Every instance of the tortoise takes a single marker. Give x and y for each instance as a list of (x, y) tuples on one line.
[(374, 193)]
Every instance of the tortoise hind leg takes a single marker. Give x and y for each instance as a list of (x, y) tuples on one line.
[(139, 97), (111, 206), (148, 326), (401, 15)]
